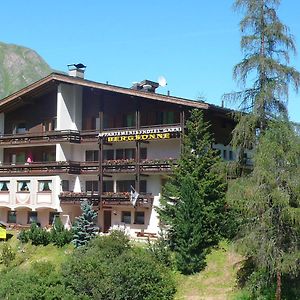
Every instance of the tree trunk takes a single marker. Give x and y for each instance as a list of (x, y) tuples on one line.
[(278, 286)]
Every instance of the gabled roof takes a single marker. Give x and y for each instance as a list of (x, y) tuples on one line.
[(56, 78)]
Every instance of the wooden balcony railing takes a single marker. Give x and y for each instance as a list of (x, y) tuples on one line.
[(157, 165), (57, 136), (108, 198), (40, 168), (73, 197), (123, 198)]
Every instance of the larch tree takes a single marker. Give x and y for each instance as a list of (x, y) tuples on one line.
[(192, 208), (269, 201), (264, 72)]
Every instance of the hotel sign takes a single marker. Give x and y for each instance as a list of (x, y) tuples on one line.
[(141, 134)]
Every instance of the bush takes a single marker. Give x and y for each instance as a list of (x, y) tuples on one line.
[(7, 255), (59, 235), (40, 281), (109, 268)]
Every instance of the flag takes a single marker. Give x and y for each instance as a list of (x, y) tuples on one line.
[(133, 195)]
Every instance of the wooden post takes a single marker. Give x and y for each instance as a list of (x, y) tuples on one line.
[(100, 157), (182, 122), (137, 151)]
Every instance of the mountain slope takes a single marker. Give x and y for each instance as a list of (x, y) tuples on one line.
[(19, 66)]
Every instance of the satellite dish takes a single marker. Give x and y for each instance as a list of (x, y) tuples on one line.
[(162, 81)]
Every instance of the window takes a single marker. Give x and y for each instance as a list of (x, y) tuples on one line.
[(52, 216), (32, 217), (48, 156), (128, 153), (143, 153), (139, 217), (126, 217), (23, 186), (129, 120), (45, 185), (91, 186), (11, 216), (65, 185), (225, 154), (230, 155), (108, 186), (4, 186), (143, 186), (20, 158), (91, 155), (165, 117), (124, 185), (108, 154)]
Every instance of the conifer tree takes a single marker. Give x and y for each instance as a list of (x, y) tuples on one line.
[(269, 201), (84, 228), (192, 205), (266, 44)]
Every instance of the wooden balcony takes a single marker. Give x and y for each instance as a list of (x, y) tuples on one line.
[(47, 137), (109, 198), (123, 198), (157, 165), (40, 168), (75, 198)]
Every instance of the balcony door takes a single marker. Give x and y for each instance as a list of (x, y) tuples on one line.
[(106, 220)]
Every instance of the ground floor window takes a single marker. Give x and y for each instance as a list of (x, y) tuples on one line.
[(32, 217), (11, 216), (139, 217), (52, 216), (126, 217)]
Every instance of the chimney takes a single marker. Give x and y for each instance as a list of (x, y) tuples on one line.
[(77, 70), (146, 86)]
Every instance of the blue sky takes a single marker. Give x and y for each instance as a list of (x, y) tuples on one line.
[(194, 44)]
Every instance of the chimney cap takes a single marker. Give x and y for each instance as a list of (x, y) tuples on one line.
[(76, 66)]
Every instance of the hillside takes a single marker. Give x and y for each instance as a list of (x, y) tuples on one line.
[(19, 66)]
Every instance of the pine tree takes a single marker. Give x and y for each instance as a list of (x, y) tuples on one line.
[(192, 205), (84, 228), (266, 44), (269, 201)]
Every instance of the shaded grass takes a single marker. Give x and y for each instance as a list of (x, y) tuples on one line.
[(216, 282), (27, 254)]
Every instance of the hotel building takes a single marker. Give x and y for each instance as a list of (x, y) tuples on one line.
[(65, 139)]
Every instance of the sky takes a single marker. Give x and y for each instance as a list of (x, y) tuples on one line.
[(194, 44)]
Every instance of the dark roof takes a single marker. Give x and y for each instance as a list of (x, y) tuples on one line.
[(56, 78)]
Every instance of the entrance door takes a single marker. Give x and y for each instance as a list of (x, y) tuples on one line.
[(106, 220)]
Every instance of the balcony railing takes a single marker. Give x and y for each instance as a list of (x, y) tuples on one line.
[(157, 165), (40, 168), (73, 197), (57, 136), (123, 198), (108, 198)]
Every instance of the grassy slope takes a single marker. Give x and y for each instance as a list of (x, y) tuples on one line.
[(216, 282), (27, 254)]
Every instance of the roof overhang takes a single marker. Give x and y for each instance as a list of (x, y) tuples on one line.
[(55, 79)]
